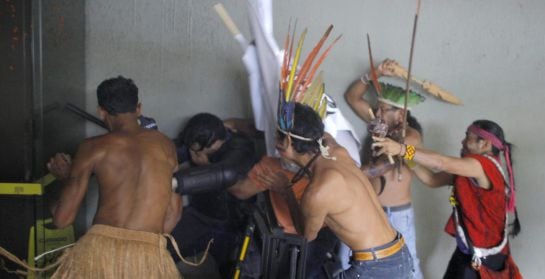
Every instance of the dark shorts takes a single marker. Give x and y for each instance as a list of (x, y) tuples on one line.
[(459, 265)]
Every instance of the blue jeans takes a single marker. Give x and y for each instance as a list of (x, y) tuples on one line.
[(344, 253), (403, 222), (396, 266)]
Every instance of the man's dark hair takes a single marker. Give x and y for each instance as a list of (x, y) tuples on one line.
[(203, 129), (117, 95), (413, 123), (306, 123)]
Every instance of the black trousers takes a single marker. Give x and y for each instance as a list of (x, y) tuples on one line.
[(192, 234), (459, 266)]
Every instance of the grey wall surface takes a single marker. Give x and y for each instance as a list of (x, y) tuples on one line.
[(177, 52), (16, 110), (489, 53), (63, 78)]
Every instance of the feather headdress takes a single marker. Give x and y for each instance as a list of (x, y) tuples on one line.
[(302, 86)]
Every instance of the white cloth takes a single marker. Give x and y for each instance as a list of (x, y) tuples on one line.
[(267, 57), (336, 124)]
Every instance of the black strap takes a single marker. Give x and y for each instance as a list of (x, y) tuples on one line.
[(382, 184), (304, 170)]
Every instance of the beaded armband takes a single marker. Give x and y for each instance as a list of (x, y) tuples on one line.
[(410, 151)]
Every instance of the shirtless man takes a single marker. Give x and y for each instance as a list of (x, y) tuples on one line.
[(392, 185), (340, 197), (134, 168)]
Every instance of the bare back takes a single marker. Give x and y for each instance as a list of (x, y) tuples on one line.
[(343, 198), (134, 171)]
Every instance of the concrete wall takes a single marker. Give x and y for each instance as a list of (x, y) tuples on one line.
[(489, 53), (16, 106), (63, 75), (177, 52)]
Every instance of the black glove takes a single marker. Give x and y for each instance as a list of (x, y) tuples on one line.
[(203, 179)]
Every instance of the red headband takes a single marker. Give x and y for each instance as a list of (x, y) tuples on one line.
[(487, 136), (505, 148)]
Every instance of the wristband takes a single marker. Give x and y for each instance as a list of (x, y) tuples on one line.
[(365, 79), (410, 151)]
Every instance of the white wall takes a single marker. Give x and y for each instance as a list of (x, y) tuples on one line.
[(490, 53)]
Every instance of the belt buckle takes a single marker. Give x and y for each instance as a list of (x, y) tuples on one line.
[(398, 244)]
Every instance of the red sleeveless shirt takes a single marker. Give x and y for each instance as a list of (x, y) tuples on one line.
[(483, 210)]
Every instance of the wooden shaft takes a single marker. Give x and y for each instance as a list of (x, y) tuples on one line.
[(227, 20)]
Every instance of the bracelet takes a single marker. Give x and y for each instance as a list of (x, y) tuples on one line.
[(365, 79), (410, 151)]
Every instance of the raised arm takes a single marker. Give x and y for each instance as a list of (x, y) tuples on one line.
[(354, 98), (75, 179), (354, 94)]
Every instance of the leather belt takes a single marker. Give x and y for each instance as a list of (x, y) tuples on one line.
[(379, 254), (396, 208)]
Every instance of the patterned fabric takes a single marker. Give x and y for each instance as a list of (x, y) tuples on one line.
[(110, 252), (409, 152)]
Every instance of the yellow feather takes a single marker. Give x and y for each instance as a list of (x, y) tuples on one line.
[(323, 108), (319, 98), (294, 65), (308, 95)]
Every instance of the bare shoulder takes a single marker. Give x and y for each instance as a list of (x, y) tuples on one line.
[(95, 145), (122, 143), (166, 141), (334, 148), (331, 175), (166, 144), (158, 136), (413, 137), (325, 181), (321, 194), (91, 151)]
